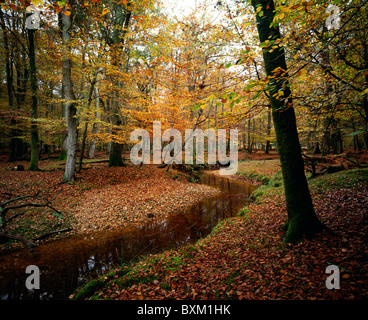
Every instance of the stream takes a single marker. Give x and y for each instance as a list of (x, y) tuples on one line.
[(66, 263)]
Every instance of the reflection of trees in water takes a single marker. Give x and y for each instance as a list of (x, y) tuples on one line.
[(226, 184)]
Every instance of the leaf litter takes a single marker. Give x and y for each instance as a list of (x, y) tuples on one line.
[(245, 258)]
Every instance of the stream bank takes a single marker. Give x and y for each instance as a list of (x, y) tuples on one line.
[(66, 263), (244, 257)]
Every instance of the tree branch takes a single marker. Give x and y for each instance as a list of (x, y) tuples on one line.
[(48, 234), (29, 243), (19, 198)]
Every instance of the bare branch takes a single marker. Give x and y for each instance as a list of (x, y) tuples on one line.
[(19, 198), (29, 243)]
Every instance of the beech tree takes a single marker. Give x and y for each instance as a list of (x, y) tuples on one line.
[(69, 96), (120, 14), (17, 73), (33, 70), (302, 219)]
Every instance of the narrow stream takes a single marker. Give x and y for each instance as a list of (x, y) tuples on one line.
[(64, 263)]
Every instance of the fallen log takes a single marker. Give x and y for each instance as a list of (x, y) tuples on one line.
[(355, 162)]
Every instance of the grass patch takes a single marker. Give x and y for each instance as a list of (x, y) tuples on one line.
[(342, 179), (243, 213), (259, 171), (133, 274)]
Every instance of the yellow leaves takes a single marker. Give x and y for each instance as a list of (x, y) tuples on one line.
[(105, 11), (302, 72), (278, 94), (364, 92), (37, 2), (286, 9), (281, 16)]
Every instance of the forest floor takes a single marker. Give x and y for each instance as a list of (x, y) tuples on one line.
[(100, 198), (245, 257)]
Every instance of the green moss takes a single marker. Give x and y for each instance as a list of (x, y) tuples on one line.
[(165, 286), (63, 155), (89, 289), (231, 279), (259, 193), (131, 279), (243, 212), (342, 179), (277, 180)]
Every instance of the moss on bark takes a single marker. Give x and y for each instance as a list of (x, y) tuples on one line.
[(302, 220)]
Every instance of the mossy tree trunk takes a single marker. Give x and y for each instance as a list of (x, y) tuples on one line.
[(302, 220)]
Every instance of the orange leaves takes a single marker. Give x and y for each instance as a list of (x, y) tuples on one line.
[(302, 72), (11, 6)]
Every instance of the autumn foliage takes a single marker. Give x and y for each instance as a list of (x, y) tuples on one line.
[(291, 76)]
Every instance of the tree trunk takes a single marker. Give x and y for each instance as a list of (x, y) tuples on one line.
[(250, 141), (34, 132), (302, 220), (84, 138), (268, 142), (92, 148), (71, 110), (115, 158), (123, 15), (16, 147), (85, 131), (326, 141)]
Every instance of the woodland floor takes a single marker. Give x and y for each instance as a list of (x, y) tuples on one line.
[(245, 258), (100, 198)]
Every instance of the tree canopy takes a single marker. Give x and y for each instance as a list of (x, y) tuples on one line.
[(89, 73)]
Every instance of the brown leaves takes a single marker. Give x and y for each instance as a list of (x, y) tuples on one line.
[(247, 260), (105, 197), (149, 193)]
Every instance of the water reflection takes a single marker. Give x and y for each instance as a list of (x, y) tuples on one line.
[(64, 263)]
